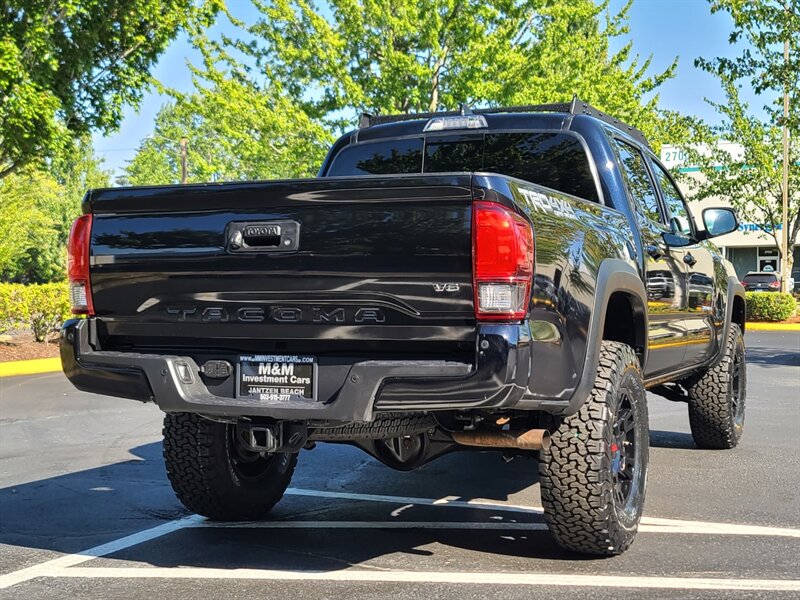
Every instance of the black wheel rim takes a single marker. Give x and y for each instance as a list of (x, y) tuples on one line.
[(625, 459), (737, 388), (248, 465)]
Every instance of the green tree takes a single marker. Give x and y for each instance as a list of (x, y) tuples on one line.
[(425, 55), (156, 161), (24, 220), (753, 181), (70, 67), (37, 208), (235, 130), (268, 100)]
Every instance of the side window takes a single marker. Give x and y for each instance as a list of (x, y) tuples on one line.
[(679, 218), (556, 161), (639, 183)]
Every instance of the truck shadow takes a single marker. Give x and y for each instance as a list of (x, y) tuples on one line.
[(672, 439), (76, 511), (772, 357)]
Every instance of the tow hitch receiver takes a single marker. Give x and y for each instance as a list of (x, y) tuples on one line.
[(281, 436)]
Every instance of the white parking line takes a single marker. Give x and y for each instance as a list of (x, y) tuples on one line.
[(46, 569), (473, 578), (710, 529), (649, 524), (65, 566), (447, 501), (455, 525)]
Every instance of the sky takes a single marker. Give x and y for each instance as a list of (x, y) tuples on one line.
[(664, 29)]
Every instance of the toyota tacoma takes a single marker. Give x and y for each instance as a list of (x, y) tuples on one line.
[(509, 278)]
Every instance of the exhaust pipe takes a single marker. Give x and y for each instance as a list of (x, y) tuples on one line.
[(533, 439)]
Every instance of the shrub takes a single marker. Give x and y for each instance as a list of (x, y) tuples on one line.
[(40, 307), (768, 306), (48, 308), (13, 307)]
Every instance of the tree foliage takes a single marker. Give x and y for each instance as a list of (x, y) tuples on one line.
[(235, 130), (753, 182), (366, 55), (763, 25), (37, 208), (70, 67), (269, 99)]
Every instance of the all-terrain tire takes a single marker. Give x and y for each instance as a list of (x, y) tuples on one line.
[(717, 398), (214, 477), (588, 505)]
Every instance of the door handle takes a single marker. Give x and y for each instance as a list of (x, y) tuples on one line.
[(655, 251), (262, 236), (689, 259)]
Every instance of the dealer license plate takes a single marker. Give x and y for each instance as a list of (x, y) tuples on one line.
[(276, 378)]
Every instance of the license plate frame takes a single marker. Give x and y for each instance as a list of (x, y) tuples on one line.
[(276, 377)]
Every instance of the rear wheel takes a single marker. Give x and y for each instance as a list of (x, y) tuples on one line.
[(717, 398), (594, 474), (214, 475)]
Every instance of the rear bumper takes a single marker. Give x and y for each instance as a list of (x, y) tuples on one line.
[(498, 379)]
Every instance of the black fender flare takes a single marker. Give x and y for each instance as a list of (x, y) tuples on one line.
[(614, 275), (735, 289)]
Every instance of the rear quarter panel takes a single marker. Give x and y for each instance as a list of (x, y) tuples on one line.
[(572, 239)]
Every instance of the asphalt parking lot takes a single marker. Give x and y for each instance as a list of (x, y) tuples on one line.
[(86, 512)]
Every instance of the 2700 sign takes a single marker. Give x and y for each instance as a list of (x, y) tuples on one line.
[(274, 378)]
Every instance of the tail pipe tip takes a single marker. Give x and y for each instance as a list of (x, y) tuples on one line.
[(533, 439)]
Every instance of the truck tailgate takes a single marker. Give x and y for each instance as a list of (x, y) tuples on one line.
[(271, 265)]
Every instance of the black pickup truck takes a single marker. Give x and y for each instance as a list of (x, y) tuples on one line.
[(509, 279)]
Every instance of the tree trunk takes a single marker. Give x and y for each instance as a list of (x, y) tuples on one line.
[(437, 69)]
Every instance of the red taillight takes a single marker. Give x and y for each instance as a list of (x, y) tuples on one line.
[(502, 255), (775, 284), (80, 289)]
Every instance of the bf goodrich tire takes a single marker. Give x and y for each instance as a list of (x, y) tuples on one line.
[(594, 474), (717, 398), (215, 477)]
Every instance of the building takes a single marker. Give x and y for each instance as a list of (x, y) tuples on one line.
[(749, 248)]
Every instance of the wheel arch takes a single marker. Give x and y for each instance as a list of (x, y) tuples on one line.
[(625, 321), (619, 287), (739, 311), (735, 314)]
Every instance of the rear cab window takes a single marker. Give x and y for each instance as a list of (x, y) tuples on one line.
[(552, 159), (378, 158)]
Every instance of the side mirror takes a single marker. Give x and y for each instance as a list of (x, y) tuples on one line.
[(677, 240), (681, 234), (719, 221)]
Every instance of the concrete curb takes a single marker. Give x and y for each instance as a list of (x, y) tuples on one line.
[(751, 326), (30, 367)]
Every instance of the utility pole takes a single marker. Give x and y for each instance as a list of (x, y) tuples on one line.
[(785, 246), (184, 177)]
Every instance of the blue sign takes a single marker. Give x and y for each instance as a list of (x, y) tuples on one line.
[(755, 227)]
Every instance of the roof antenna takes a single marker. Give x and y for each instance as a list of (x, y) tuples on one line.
[(465, 109)]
